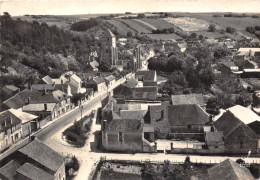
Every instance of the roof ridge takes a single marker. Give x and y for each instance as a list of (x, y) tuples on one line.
[(234, 128)]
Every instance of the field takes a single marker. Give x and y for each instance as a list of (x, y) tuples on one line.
[(160, 23), (237, 23), (147, 25), (122, 28), (136, 26), (189, 24)]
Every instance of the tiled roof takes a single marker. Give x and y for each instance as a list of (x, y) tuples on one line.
[(53, 97), (214, 136), (39, 107), (23, 116), (133, 114), (110, 78), (186, 114), (244, 114), (34, 173), (146, 89), (98, 80), (7, 119), (188, 99), (21, 98), (130, 83), (42, 87), (125, 125), (229, 170), (47, 79), (8, 171), (94, 64), (147, 83), (148, 75), (12, 87), (43, 155), (228, 64), (228, 123)]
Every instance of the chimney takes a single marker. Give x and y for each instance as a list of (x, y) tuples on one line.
[(45, 107), (28, 100)]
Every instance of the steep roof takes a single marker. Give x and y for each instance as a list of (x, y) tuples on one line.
[(34, 173), (244, 114), (8, 171), (21, 98), (43, 155), (125, 125), (110, 78), (186, 114), (133, 114), (97, 80), (42, 87), (148, 75), (130, 83), (47, 79), (12, 87), (229, 170), (229, 123), (188, 99), (53, 97), (39, 107), (94, 64), (8, 119)]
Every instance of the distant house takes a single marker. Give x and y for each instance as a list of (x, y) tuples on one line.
[(257, 57), (97, 83), (214, 141), (10, 129), (110, 80), (227, 68), (47, 79), (21, 98), (250, 53), (238, 136), (92, 66), (10, 90), (125, 89), (188, 99), (35, 161), (28, 121), (146, 76), (8, 171), (250, 65), (62, 101), (145, 93), (228, 170)]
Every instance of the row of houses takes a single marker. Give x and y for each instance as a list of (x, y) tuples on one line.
[(32, 108), (135, 127)]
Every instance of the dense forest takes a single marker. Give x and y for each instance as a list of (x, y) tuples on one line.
[(48, 49)]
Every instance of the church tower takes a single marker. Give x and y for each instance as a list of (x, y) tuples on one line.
[(108, 48)]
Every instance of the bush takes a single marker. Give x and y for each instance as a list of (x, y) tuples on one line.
[(84, 25), (230, 30)]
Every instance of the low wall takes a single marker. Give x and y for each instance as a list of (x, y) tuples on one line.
[(196, 151)]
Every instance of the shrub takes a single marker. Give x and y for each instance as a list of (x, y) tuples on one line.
[(84, 25), (230, 30)]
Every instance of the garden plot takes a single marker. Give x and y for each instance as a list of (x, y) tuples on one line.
[(188, 24)]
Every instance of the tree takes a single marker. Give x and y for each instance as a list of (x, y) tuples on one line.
[(212, 28), (104, 66), (5, 61), (207, 77), (129, 34), (213, 106), (141, 15), (244, 99), (221, 52), (230, 30)]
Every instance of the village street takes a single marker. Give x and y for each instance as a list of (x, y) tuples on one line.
[(88, 158)]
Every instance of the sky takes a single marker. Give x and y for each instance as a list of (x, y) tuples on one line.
[(69, 7)]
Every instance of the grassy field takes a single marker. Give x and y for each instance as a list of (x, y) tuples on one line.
[(135, 25), (122, 28), (159, 23), (112, 175), (237, 23), (145, 24)]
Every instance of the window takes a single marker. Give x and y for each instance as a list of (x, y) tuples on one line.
[(120, 137), (189, 126), (162, 114), (59, 176)]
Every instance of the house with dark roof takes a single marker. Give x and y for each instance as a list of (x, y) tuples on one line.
[(125, 89), (227, 68), (21, 98), (214, 141), (188, 99), (146, 76), (8, 171), (229, 170), (10, 90), (97, 83), (110, 80), (239, 138), (92, 66), (10, 129), (37, 159), (145, 93)]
